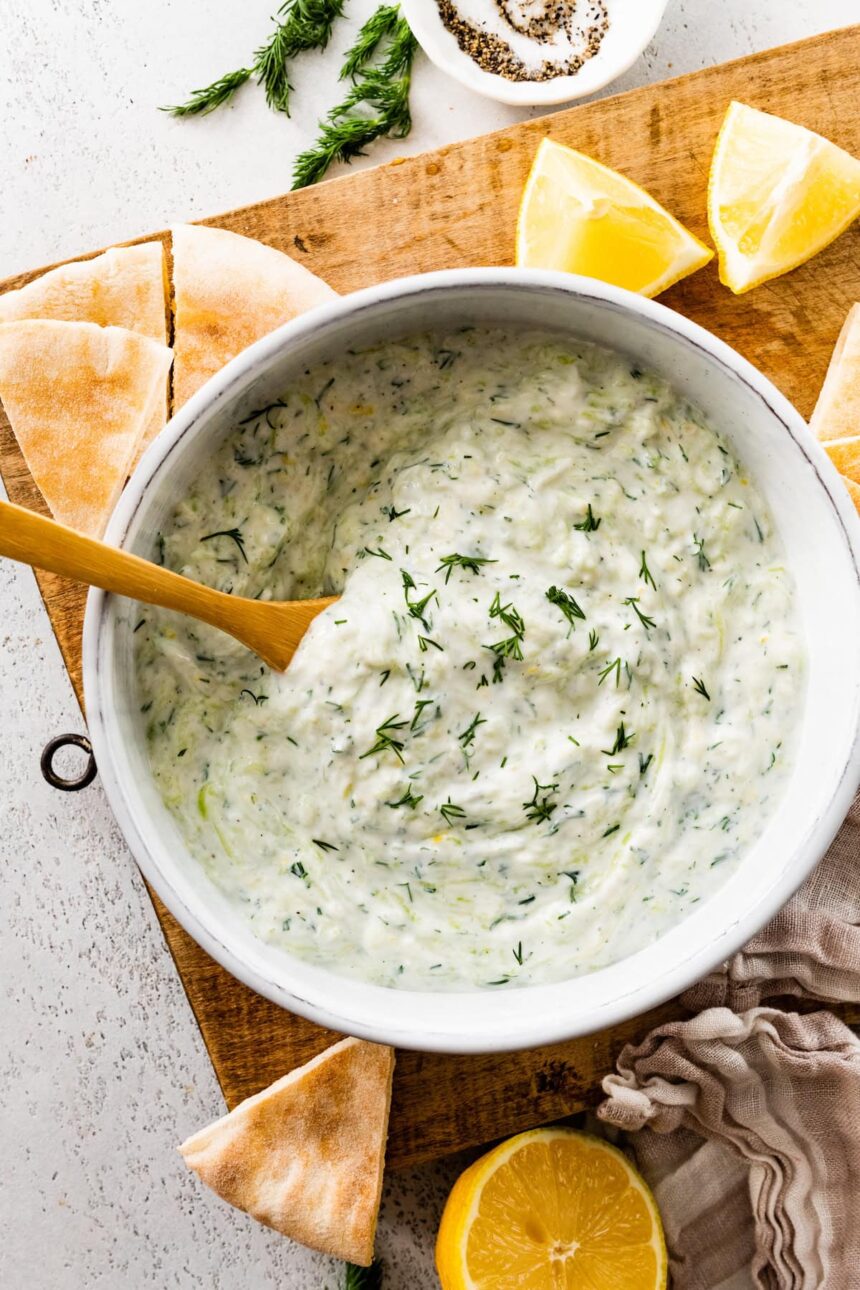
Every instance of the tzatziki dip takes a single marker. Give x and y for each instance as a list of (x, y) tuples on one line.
[(555, 703)]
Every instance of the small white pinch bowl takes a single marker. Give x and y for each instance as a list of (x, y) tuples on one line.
[(632, 24), (821, 534)]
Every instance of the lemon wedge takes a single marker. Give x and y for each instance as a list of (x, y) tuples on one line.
[(547, 1209), (777, 194), (582, 217)]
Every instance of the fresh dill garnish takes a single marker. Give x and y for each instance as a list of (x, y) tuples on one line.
[(360, 1278), (471, 562), (622, 741), (589, 524), (302, 25), (645, 573), (450, 811), (540, 808), (468, 735), (701, 556), (235, 535), (210, 97), (380, 552), (511, 647), (573, 875), (518, 953), (385, 675), (424, 643), (593, 639), (377, 103), (298, 870), (614, 666), (420, 705), (633, 602), (258, 698), (386, 740), (644, 763), (700, 688), (394, 514), (566, 603), (408, 799), (613, 828), (416, 607), (324, 846)]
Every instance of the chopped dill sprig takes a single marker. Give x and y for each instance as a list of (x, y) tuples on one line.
[(380, 552), (614, 666), (210, 97), (622, 741), (416, 607), (451, 812), (376, 105), (589, 524), (324, 846), (612, 829), (298, 870), (540, 808), (468, 735), (566, 603), (518, 953), (385, 740), (511, 647), (633, 602), (378, 26), (471, 562), (593, 640), (424, 643), (302, 25), (645, 573), (420, 705), (701, 556), (408, 799), (235, 535), (700, 688), (644, 763), (393, 513)]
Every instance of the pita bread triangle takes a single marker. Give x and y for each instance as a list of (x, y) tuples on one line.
[(125, 287), (854, 493), (845, 455), (78, 398), (837, 412), (306, 1155), (229, 291)]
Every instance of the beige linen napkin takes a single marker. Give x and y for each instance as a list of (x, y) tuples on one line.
[(749, 1125)]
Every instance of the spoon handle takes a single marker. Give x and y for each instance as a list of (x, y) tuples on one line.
[(35, 540)]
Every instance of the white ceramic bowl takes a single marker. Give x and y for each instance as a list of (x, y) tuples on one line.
[(821, 533), (632, 23)]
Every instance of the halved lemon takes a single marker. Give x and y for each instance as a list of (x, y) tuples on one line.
[(552, 1209), (582, 217), (777, 194)]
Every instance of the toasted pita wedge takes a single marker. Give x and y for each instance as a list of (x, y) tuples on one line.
[(837, 412), (229, 291), (125, 287), (854, 492), (306, 1155), (845, 455), (78, 398)]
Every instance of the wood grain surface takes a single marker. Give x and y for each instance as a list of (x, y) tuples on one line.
[(457, 207)]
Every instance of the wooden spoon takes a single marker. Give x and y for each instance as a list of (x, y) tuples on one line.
[(271, 628)]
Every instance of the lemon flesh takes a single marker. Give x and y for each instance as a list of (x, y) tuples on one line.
[(551, 1210), (777, 194), (581, 217)]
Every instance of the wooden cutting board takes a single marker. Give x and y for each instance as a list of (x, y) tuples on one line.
[(457, 207)]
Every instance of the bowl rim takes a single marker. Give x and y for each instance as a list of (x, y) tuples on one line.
[(442, 49), (519, 1031)]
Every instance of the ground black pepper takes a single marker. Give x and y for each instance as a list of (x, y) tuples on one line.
[(493, 54)]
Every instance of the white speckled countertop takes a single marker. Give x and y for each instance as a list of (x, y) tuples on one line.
[(102, 1068)]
